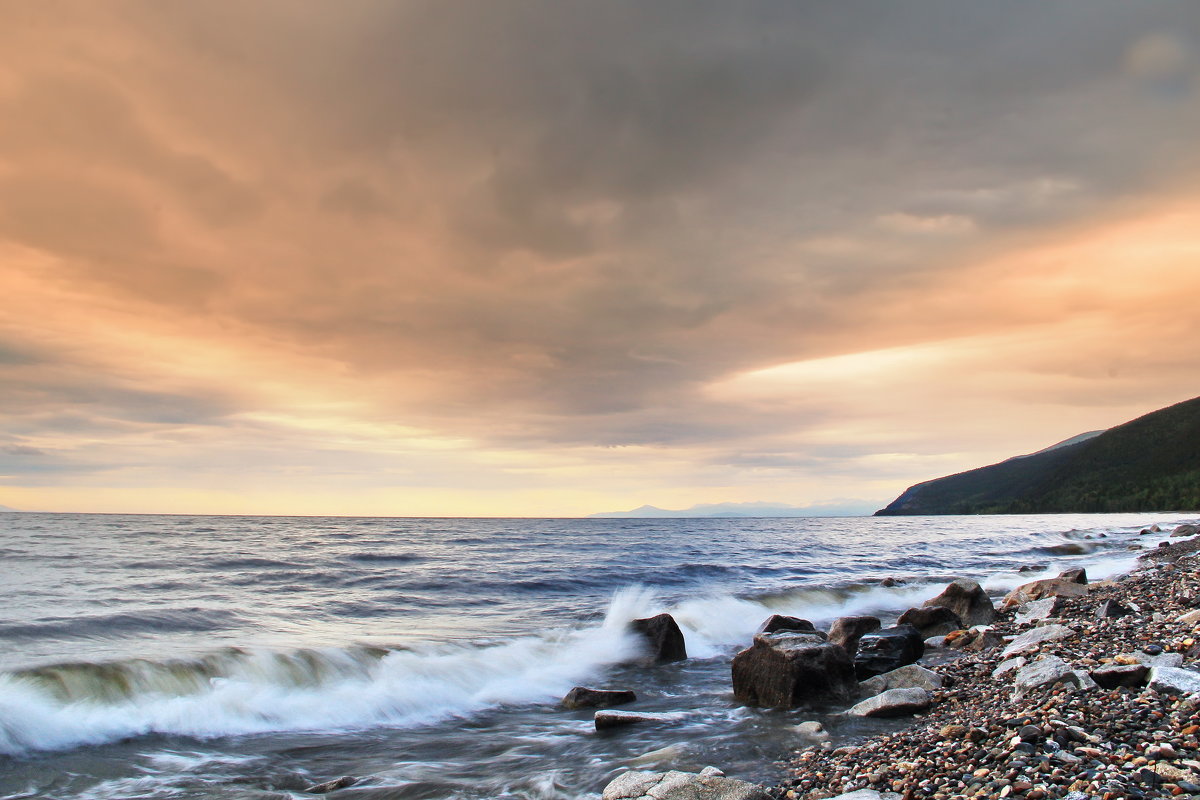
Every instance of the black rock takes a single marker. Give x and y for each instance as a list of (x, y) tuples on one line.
[(790, 670), (887, 649), (781, 622), (333, 785), (1111, 609), (582, 697), (664, 638), (968, 600), (846, 631), (1153, 649)]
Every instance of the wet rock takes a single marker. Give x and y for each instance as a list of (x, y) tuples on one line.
[(812, 729), (782, 622), (333, 785), (606, 720), (1032, 639), (912, 676), (887, 649), (1039, 590), (1173, 680), (968, 600), (892, 703), (789, 670), (582, 697), (1040, 609), (1111, 609), (846, 631), (1185, 530), (1032, 568), (1111, 676), (889, 582), (675, 785), (1074, 575), (931, 620), (663, 637)]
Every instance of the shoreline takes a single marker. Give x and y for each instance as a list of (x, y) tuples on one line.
[(978, 740)]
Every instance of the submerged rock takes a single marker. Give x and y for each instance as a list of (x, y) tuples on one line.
[(931, 620), (887, 649), (789, 670), (582, 697), (606, 720), (846, 631), (968, 600), (333, 785), (710, 784), (663, 636), (1185, 530), (892, 703)]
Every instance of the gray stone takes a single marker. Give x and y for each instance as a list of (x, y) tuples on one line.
[(931, 620), (1173, 680), (1185, 530), (1040, 609), (1161, 660), (968, 600), (1074, 574), (812, 729), (676, 785), (787, 670), (1008, 666), (1190, 618), (908, 677), (892, 703), (868, 794), (1111, 609), (1047, 672), (1031, 639)]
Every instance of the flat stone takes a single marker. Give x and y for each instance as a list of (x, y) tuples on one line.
[(1043, 673), (1111, 609), (1031, 639), (1110, 676), (1036, 610), (1173, 680), (1039, 590), (333, 785), (912, 676), (1190, 618), (1008, 666), (676, 785), (868, 794), (582, 697), (892, 703), (606, 720)]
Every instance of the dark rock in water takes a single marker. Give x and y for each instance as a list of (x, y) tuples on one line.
[(889, 582), (606, 720), (892, 703), (1074, 575), (968, 600), (582, 697), (1186, 530), (331, 786), (1040, 590), (1032, 568), (846, 631), (664, 637), (887, 649), (931, 620), (789, 670), (1111, 609), (781, 622), (1112, 676)]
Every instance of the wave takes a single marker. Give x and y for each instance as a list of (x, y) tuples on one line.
[(246, 691), (189, 619)]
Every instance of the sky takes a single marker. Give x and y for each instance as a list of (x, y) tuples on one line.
[(553, 257)]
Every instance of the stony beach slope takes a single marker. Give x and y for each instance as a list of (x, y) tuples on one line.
[(1071, 690)]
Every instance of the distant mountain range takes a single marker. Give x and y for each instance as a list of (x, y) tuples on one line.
[(1149, 464), (840, 508)]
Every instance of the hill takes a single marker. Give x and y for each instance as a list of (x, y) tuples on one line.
[(1149, 464), (841, 508)]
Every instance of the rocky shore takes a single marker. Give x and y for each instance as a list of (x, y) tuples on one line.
[(1054, 720), (1064, 689)]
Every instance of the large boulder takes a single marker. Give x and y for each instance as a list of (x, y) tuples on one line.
[(892, 703), (1040, 590), (846, 631), (663, 638), (582, 697), (1185, 530), (887, 649), (782, 622), (789, 670), (909, 677), (968, 600), (710, 784), (931, 620)]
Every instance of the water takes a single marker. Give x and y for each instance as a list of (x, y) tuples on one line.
[(248, 657)]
